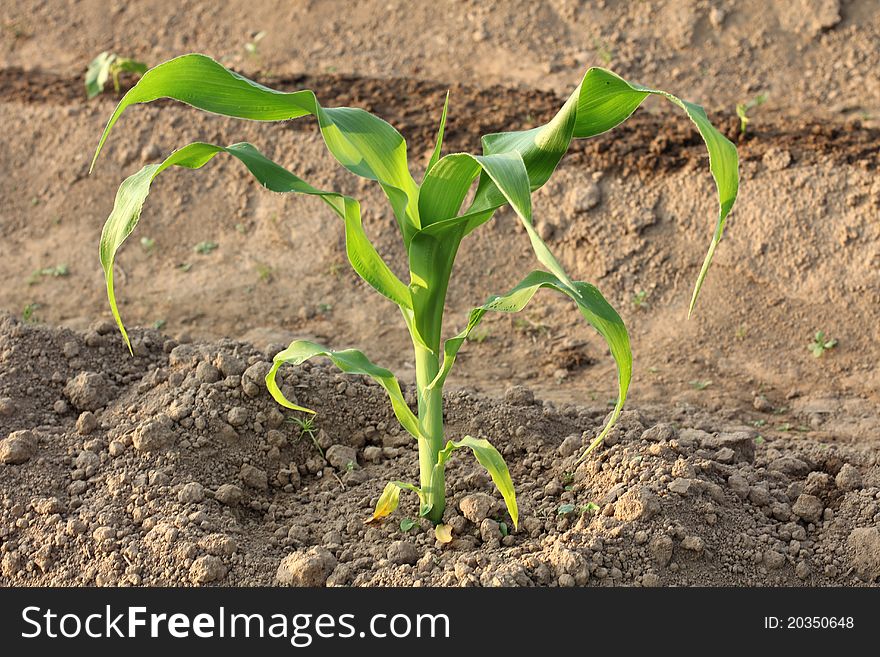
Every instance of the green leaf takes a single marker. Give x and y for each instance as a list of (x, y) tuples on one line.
[(565, 509), (98, 73), (491, 459), (350, 361), (390, 499), (130, 65), (406, 524), (435, 155), (602, 101), (105, 66), (364, 144), (593, 307), (133, 192), (432, 250)]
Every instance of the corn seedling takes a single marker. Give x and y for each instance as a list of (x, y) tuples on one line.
[(743, 109), (821, 343), (432, 223), (107, 66)]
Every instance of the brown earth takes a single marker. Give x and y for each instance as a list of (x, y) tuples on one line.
[(177, 467), (802, 253)]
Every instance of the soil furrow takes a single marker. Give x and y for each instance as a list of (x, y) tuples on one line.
[(649, 142)]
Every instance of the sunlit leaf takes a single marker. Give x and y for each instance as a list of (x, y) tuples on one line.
[(350, 361)]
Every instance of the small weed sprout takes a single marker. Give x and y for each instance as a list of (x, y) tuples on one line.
[(603, 52), (457, 194), (27, 315), (204, 248), (479, 336), (821, 343), (640, 299), (307, 428), (148, 244), (108, 66), (264, 272), (252, 47), (742, 110)]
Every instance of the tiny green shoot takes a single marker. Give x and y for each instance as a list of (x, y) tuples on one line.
[(603, 51), (205, 248), (148, 244), (406, 524), (698, 384), (742, 110), (108, 66), (264, 272), (252, 47), (27, 315), (58, 271), (640, 299), (589, 508), (821, 343), (480, 336)]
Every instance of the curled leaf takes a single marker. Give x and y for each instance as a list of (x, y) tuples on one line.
[(390, 498), (491, 459)]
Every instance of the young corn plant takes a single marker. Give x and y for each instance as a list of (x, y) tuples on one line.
[(433, 220), (108, 66)]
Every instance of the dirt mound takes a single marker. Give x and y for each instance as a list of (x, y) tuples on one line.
[(175, 467)]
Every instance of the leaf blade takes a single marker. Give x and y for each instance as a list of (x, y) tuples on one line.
[(592, 306), (602, 101), (491, 459), (350, 361), (362, 143), (132, 194)]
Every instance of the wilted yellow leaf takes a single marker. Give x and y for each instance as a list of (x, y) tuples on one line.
[(443, 533)]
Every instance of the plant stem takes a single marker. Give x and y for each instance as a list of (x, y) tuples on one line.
[(431, 425)]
